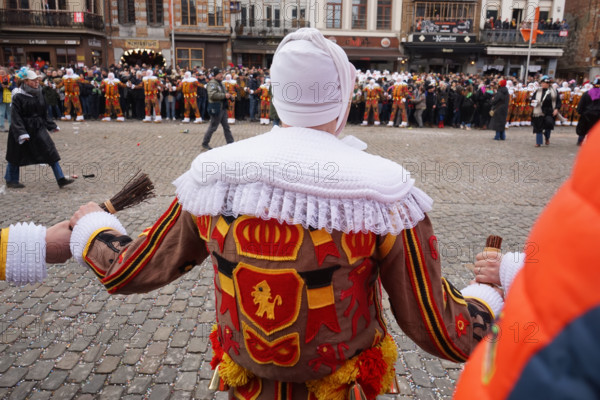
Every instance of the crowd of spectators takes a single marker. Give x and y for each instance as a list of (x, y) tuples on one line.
[(457, 100)]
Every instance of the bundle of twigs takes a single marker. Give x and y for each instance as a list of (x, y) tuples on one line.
[(138, 189)]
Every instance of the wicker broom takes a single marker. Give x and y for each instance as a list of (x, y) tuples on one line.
[(138, 189)]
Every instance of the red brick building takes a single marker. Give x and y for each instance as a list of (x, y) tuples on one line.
[(582, 59)]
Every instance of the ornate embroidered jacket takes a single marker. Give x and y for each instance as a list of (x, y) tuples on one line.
[(298, 303)]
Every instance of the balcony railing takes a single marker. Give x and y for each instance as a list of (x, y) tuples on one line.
[(513, 37), (267, 27), (51, 19)]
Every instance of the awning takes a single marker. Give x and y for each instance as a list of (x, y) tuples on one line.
[(522, 51), (496, 67), (253, 48)]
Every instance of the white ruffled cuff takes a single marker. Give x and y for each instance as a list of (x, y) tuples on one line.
[(86, 227), (486, 294), (26, 253), (510, 266)]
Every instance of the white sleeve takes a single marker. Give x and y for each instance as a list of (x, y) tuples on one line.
[(26, 253), (86, 227)]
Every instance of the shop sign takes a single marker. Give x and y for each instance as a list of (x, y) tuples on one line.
[(142, 44), (41, 42), (455, 39), (94, 43), (362, 41), (78, 17), (436, 26)]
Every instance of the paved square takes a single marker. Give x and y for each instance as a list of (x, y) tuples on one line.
[(67, 338)]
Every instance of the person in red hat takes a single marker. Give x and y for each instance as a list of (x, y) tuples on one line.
[(499, 111)]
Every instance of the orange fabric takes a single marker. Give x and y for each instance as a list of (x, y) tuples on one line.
[(557, 284)]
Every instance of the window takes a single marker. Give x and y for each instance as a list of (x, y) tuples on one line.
[(269, 16), (252, 20), (359, 14), (14, 56), (188, 12), (384, 14), (154, 12), (91, 6), (277, 20), (20, 4), (96, 57), (299, 22), (444, 17), (190, 58), (215, 12), (244, 16), (334, 14), (126, 11), (66, 57)]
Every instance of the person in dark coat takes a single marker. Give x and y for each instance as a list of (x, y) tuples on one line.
[(28, 139), (546, 104), (500, 111), (589, 111)]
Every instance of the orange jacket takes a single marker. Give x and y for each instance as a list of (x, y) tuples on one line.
[(546, 343)]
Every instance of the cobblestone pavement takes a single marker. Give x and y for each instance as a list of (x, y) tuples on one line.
[(67, 338)]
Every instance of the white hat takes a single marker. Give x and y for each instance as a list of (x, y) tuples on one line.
[(312, 80), (31, 75)]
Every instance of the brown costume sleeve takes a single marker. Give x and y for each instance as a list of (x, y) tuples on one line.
[(161, 254), (427, 307)]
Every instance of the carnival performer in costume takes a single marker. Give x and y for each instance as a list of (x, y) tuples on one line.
[(554, 302), (575, 98), (299, 262), (28, 140), (189, 87), (232, 87), (372, 93), (265, 101), (110, 86), (519, 105), (70, 82), (565, 101), (152, 87), (398, 93), (511, 103)]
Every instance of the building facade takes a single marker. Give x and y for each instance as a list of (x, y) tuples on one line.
[(471, 36), (441, 36), (366, 29), (506, 50), (60, 32), (581, 60), (141, 32)]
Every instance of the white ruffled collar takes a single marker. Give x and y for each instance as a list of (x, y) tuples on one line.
[(303, 176)]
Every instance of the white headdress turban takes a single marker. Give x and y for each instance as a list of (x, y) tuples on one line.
[(312, 80)]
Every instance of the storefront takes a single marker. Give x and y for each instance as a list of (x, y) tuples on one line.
[(443, 53), (193, 50), (54, 50), (254, 52), (512, 61)]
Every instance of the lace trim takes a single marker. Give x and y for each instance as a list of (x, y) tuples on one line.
[(267, 202)]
